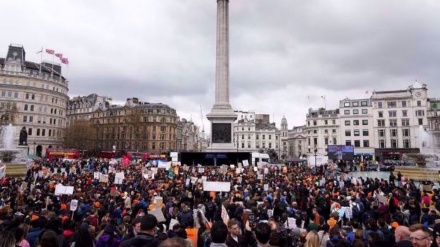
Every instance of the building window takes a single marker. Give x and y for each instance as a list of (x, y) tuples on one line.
[(24, 119), (356, 133), (379, 105), (242, 137), (326, 141), (334, 141), (355, 111), (357, 143), (325, 122), (365, 122), (393, 143), (315, 122), (380, 114), (393, 122), (347, 122), (25, 107), (242, 145), (270, 137), (403, 103), (355, 103), (346, 112), (38, 132), (392, 104), (404, 113), (315, 131), (333, 121), (381, 123), (43, 132), (348, 142), (257, 137), (406, 132), (392, 113), (419, 103), (405, 122), (381, 132), (29, 131), (406, 143), (365, 133), (381, 143), (27, 96), (364, 111), (364, 103), (348, 133), (264, 137), (366, 143), (333, 131), (393, 132), (315, 141), (420, 121), (355, 122), (326, 131), (346, 104), (420, 113)]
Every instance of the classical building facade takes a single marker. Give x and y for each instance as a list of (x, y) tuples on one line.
[(37, 95), (189, 137), (254, 133), (433, 115), (82, 108), (356, 126), (136, 126), (297, 142), (322, 129), (398, 117)]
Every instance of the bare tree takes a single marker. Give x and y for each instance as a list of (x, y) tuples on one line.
[(80, 135), (8, 112)]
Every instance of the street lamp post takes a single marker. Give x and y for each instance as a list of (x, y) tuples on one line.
[(315, 151)]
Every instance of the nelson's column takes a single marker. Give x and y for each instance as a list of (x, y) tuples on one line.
[(222, 115)]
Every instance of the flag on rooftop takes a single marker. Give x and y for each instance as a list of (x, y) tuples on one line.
[(59, 55), (49, 51)]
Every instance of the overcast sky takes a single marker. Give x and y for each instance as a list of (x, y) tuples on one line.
[(282, 52)]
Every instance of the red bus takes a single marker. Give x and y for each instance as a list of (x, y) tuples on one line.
[(63, 153)]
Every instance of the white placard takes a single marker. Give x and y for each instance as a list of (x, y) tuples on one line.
[(73, 205), (204, 178), (291, 223), (193, 180), (158, 214), (259, 176), (348, 212), (217, 186), (382, 199), (96, 175), (174, 156), (63, 190), (201, 170), (269, 213), (164, 164), (245, 163), (266, 170), (119, 177), (2, 171), (103, 178), (232, 166), (266, 187), (255, 169)]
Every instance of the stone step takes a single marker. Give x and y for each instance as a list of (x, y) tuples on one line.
[(419, 173), (16, 170)]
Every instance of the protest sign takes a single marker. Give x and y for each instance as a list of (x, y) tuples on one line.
[(103, 178), (217, 186), (63, 190), (73, 205), (158, 214), (119, 177)]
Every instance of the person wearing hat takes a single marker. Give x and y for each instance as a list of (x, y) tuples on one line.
[(146, 234)]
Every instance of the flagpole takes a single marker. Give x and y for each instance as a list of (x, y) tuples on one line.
[(53, 61), (41, 60)]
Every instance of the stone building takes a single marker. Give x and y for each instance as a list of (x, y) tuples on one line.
[(321, 130), (37, 94), (82, 108), (136, 126), (297, 142)]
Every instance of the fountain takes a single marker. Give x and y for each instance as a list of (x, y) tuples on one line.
[(427, 161), (12, 156)]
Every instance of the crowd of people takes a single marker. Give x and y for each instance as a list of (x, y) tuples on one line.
[(271, 205)]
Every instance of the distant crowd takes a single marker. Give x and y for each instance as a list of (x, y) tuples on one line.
[(171, 206)]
